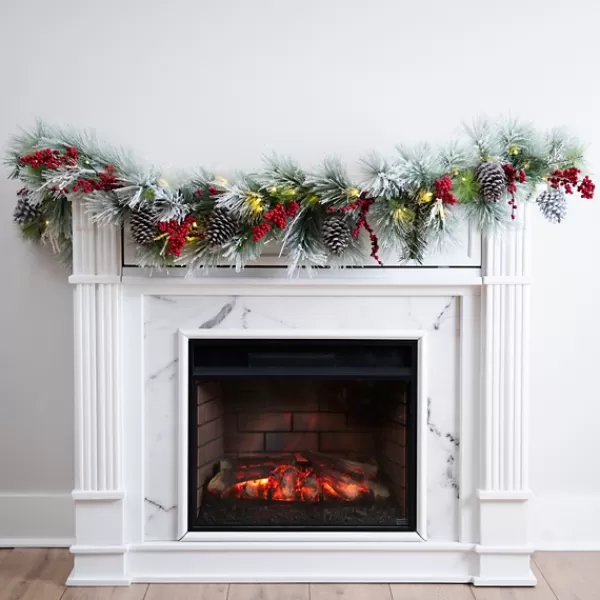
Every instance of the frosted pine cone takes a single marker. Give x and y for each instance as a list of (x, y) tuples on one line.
[(492, 181), (553, 205), (335, 232), (220, 227), (143, 226), (25, 211)]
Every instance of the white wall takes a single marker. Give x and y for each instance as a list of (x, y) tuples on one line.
[(219, 83)]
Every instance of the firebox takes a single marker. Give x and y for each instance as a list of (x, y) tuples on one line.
[(302, 434)]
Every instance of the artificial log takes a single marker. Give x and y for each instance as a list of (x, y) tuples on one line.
[(257, 472), (306, 476), (362, 469), (368, 470), (285, 484), (342, 486), (311, 489), (228, 477), (379, 490), (223, 480), (253, 489), (248, 462)]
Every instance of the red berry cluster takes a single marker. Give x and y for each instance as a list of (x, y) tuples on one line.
[(443, 187), (177, 234), (278, 216), (212, 191), (292, 209), (259, 231), (566, 178), (569, 179), (105, 183), (50, 159), (364, 204), (586, 188), (513, 176), (71, 155)]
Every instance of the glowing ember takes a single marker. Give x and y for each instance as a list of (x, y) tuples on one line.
[(307, 477)]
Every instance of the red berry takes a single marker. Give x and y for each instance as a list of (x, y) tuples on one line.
[(442, 190)]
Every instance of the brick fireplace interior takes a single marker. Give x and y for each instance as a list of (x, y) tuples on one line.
[(302, 434)]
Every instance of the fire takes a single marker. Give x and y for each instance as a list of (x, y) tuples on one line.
[(307, 477)]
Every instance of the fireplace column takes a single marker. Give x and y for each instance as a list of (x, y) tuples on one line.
[(503, 551), (99, 550)]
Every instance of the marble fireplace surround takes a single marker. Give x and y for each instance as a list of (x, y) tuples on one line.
[(131, 333)]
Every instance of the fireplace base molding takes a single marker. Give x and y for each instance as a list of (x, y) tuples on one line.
[(280, 557), (284, 562), (130, 454)]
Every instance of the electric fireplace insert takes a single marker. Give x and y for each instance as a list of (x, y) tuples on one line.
[(309, 435)]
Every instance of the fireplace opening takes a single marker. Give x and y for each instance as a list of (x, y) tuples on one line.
[(302, 434)]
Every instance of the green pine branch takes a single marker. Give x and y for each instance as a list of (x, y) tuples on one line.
[(404, 213)]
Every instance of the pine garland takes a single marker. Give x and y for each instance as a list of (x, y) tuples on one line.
[(407, 203)]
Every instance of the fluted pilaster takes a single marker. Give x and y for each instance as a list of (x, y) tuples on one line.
[(504, 491)]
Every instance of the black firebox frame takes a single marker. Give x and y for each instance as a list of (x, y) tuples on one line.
[(331, 359)]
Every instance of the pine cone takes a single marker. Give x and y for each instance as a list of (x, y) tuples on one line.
[(492, 181), (143, 226), (25, 211), (335, 232), (553, 205), (220, 227)]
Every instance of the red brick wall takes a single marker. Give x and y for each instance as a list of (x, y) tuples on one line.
[(293, 416), (211, 428), (268, 417), (392, 446)]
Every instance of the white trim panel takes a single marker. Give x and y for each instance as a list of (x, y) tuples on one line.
[(310, 562), (184, 335)]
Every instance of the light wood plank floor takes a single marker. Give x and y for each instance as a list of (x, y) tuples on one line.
[(39, 574)]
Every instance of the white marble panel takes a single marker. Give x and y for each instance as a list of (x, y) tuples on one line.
[(164, 315)]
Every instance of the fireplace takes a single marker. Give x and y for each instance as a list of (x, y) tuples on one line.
[(178, 380), (308, 435)]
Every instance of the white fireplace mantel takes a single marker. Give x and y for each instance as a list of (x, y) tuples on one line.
[(473, 491)]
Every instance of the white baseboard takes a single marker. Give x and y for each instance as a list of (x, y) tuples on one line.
[(569, 547), (565, 522), (36, 520), (36, 542)]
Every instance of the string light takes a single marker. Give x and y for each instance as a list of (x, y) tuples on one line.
[(255, 202)]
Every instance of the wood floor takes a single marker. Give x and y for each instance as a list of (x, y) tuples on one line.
[(27, 574)]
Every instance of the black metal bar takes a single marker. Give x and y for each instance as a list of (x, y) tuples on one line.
[(192, 444), (412, 418), (404, 526)]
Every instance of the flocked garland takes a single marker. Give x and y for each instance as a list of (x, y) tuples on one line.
[(405, 203)]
